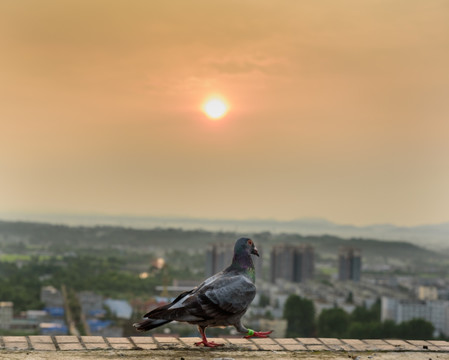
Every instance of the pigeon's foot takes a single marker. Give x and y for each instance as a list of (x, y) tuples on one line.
[(259, 334), (208, 343)]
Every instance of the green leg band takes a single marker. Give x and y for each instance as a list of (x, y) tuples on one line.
[(250, 332)]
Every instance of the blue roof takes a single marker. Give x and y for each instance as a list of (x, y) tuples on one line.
[(96, 313), (97, 325), (55, 328), (55, 311)]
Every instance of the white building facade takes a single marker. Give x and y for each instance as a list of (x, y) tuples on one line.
[(434, 311)]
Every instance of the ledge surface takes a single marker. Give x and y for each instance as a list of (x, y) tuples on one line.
[(83, 347)]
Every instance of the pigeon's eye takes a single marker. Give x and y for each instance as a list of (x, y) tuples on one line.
[(250, 242)]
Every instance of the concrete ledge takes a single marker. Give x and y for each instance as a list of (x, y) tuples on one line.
[(307, 345)]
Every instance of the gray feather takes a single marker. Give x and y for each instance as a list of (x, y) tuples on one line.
[(220, 300)]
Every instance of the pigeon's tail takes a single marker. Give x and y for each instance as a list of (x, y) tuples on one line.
[(149, 324)]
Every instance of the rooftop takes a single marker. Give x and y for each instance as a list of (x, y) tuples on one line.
[(97, 347)]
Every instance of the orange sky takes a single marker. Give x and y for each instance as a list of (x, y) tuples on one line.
[(339, 109)]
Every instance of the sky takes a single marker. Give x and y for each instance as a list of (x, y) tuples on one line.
[(337, 109)]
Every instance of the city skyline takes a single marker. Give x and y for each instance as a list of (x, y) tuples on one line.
[(335, 110)]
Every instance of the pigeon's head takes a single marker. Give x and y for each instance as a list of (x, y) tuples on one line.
[(245, 245)]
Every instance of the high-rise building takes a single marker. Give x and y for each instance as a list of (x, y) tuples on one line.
[(6, 313), (294, 263), (304, 263), (349, 264), (219, 257)]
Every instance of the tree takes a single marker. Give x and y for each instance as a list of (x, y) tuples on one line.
[(333, 323), (350, 298), (418, 329), (300, 315), (361, 330), (389, 329), (264, 300)]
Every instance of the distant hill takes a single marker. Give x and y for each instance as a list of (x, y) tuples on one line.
[(434, 236), (374, 250), (58, 239)]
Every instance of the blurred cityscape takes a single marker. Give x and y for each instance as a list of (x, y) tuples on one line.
[(98, 280)]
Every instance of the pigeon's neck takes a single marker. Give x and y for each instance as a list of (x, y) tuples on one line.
[(244, 263)]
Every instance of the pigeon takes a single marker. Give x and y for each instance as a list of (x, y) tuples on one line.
[(220, 300)]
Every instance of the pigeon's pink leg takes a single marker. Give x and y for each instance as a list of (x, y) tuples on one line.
[(205, 342), (259, 334)]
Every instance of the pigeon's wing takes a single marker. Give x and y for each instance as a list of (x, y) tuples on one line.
[(180, 299), (185, 299), (178, 310), (222, 297), (227, 295)]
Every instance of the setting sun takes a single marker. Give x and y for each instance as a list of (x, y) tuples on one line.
[(215, 108)]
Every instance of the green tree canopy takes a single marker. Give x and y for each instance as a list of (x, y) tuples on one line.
[(333, 323), (418, 329), (363, 314), (300, 315)]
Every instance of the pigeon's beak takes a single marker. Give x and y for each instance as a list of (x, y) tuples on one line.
[(254, 251)]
